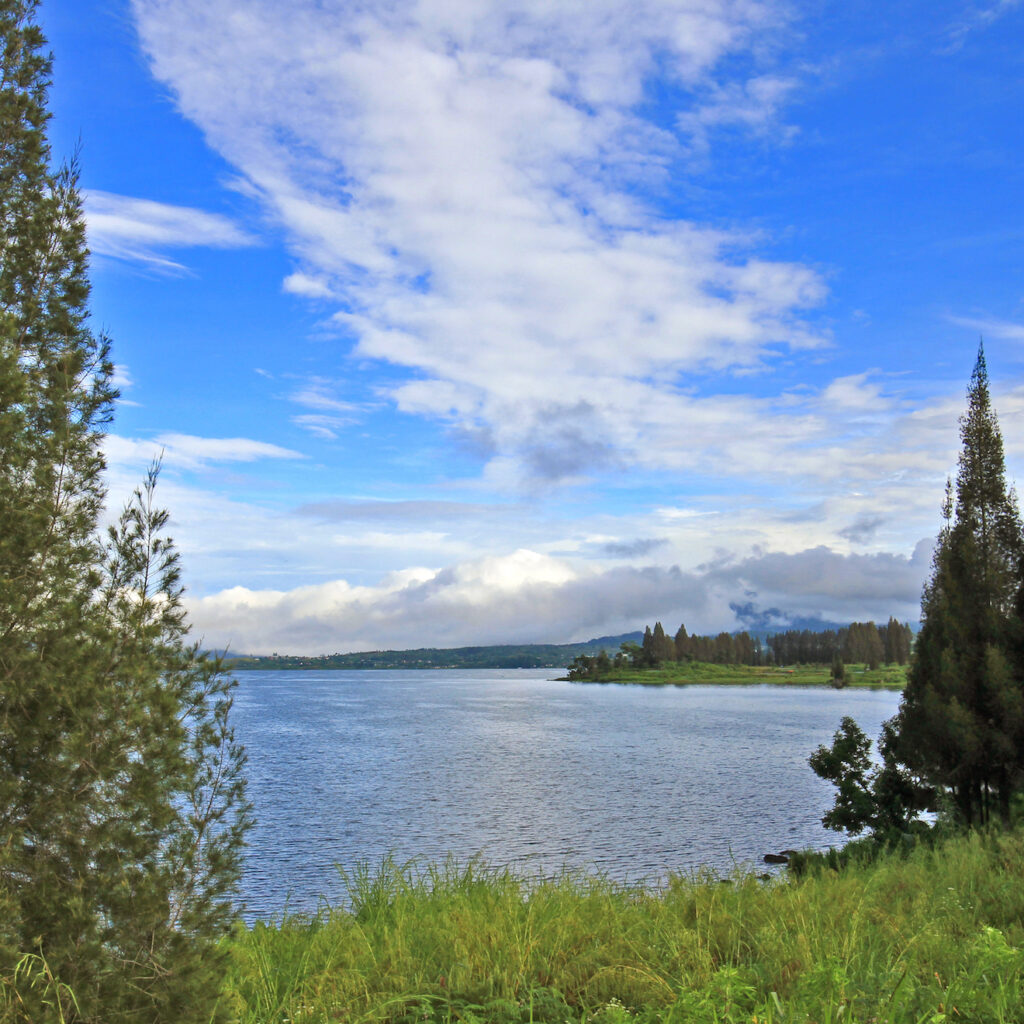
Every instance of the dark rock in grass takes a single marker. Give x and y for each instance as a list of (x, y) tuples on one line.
[(775, 858)]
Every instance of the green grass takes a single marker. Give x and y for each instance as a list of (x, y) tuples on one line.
[(930, 936), (700, 673)]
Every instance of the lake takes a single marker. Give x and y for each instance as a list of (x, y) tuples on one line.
[(524, 770)]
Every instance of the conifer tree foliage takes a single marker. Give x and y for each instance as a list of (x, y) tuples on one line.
[(961, 721), (122, 800)]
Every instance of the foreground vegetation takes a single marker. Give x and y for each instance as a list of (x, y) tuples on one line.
[(929, 935), (695, 673)]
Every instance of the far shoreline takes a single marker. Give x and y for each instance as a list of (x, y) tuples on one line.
[(887, 677)]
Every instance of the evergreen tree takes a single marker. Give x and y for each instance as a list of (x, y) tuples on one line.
[(724, 649), (891, 635), (744, 647), (874, 646), (647, 648), (663, 647), (682, 644), (961, 719), (122, 806)]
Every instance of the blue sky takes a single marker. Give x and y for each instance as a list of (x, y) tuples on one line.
[(471, 321)]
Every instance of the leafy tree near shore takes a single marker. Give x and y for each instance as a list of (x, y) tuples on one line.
[(122, 801), (885, 799), (838, 672)]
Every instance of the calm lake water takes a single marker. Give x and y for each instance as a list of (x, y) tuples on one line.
[(526, 771)]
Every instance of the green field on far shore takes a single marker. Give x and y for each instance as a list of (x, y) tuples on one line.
[(696, 673)]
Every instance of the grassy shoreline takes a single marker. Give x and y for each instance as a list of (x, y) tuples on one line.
[(889, 677), (928, 936)]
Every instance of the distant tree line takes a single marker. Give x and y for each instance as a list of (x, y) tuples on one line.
[(858, 643), (492, 656)]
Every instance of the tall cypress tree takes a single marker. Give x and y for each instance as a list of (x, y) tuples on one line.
[(122, 804), (962, 714)]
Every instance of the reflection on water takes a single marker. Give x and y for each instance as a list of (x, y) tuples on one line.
[(524, 770)]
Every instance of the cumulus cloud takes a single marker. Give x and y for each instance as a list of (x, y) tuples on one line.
[(307, 286), (527, 596), (460, 180), (855, 393), (142, 230), (822, 582)]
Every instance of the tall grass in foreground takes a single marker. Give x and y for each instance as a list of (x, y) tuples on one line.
[(931, 936)]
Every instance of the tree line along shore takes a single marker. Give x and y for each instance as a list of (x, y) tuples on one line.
[(880, 654)]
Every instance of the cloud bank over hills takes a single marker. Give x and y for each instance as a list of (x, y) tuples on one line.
[(526, 597)]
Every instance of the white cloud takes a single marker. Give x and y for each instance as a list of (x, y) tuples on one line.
[(122, 378), (307, 286), (855, 393), (185, 451), (530, 597), (335, 574), (141, 229), (331, 413), (977, 17), (457, 182), (870, 484), (319, 425), (991, 327), (317, 394), (461, 176), (753, 105)]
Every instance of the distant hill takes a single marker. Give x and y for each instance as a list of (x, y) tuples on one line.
[(766, 622), (497, 656)]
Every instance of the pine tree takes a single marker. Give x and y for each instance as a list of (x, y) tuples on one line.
[(663, 647), (875, 648), (122, 804), (892, 635), (681, 642), (962, 714), (647, 647)]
